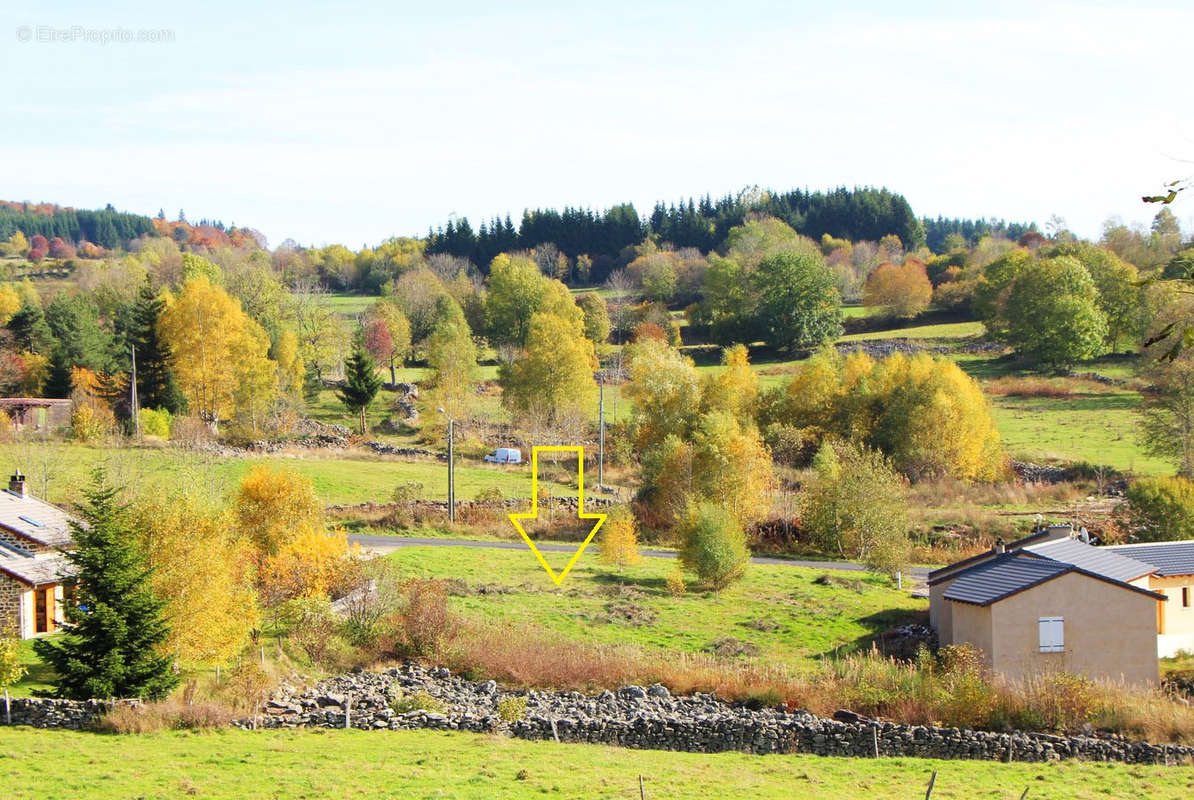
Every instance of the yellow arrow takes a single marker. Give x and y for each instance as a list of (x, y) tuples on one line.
[(534, 512)]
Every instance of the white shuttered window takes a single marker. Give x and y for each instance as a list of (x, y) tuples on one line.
[(1052, 630)]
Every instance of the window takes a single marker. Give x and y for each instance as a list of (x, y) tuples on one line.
[(1185, 597), (1052, 634), (31, 521)]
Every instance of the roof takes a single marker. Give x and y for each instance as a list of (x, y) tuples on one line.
[(39, 570), (35, 519), (1012, 573), (942, 573), (33, 402), (1095, 559), (1168, 558)]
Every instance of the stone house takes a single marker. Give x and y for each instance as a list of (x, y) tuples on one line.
[(33, 535), (1053, 602)]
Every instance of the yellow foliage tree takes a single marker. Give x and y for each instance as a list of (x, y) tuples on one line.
[(274, 507), (291, 369), (10, 303), (731, 467), (220, 353), (553, 379), (618, 538), (665, 390), (313, 564), (203, 571), (735, 389)]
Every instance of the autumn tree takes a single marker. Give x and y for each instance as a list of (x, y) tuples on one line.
[(387, 335), (733, 390), (274, 506), (452, 359), (552, 380), (360, 386), (596, 311), (898, 290), (857, 507), (220, 354), (1167, 412), (202, 570), (1053, 314), (12, 667), (713, 545), (517, 292), (665, 390), (618, 538)]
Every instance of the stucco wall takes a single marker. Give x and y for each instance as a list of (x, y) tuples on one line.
[(941, 613), (1110, 632), (972, 625), (1178, 619)]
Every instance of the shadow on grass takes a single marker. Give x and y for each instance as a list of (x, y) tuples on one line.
[(648, 585), (879, 623)]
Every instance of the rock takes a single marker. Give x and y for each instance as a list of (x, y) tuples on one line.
[(632, 693), (658, 690)]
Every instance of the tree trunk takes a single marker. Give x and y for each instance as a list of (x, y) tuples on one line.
[(393, 374), (362, 420), (7, 708)]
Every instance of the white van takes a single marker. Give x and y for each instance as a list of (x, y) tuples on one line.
[(505, 455)]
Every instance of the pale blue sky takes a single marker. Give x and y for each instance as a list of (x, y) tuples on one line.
[(350, 125)]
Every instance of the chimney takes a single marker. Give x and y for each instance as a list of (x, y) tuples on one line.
[(16, 484), (1000, 547)]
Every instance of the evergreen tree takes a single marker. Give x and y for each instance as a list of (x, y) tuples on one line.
[(157, 386), (114, 629), (29, 329), (361, 383), (58, 383), (75, 323)]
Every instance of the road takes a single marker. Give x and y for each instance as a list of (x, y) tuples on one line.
[(388, 544)]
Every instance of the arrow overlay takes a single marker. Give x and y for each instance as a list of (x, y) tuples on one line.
[(580, 506)]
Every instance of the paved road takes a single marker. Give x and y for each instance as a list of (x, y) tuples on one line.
[(388, 544)]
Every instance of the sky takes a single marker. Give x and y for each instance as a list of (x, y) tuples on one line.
[(353, 124)]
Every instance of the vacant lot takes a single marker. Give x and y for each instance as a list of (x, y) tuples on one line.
[(421, 764), (776, 612)]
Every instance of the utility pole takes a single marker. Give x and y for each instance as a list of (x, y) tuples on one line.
[(451, 469), (601, 432), (133, 400)]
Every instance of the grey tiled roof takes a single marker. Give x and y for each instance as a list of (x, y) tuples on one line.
[(35, 519), (37, 571), (1169, 558), (1014, 572), (1102, 560), (1003, 576)]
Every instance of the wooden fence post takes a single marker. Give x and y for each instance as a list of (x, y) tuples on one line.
[(929, 791)]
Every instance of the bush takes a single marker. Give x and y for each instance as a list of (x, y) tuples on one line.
[(618, 538), (426, 621), (402, 703), (1160, 509), (165, 715), (407, 492), (675, 583), (155, 422), (713, 545), (89, 424), (511, 709)]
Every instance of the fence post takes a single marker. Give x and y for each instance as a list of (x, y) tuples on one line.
[(347, 712), (929, 791)]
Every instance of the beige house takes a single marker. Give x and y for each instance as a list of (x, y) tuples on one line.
[(1053, 602), (33, 535), (1173, 576)]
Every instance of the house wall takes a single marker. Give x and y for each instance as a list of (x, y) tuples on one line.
[(941, 613), (1110, 632), (28, 545), (1178, 618), (972, 625)]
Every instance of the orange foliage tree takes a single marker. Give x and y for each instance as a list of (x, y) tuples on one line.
[(898, 290)]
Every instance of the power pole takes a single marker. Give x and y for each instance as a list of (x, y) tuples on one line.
[(451, 473), (601, 433), (133, 401)]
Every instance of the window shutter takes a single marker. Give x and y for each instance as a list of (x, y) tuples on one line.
[(1052, 634)]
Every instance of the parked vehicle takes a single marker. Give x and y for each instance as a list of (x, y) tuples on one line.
[(505, 455)]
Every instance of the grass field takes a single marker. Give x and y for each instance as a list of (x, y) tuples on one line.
[(777, 611), (949, 330), (337, 478), (425, 764)]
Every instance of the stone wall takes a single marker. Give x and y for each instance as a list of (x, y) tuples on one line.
[(10, 603), (651, 718), (39, 712), (28, 545)]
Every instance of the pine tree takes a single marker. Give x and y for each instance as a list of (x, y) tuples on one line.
[(114, 629), (58, 383), (156, 385), (361, 383), (312, 383)]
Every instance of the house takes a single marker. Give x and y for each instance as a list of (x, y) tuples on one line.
[(1053, 602), (1173, 576), (37, 413), (33, 535)]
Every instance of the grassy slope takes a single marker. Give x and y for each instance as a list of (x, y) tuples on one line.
[(423, 764), (811, 619)]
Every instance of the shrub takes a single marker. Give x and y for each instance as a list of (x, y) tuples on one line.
[(407, 492), (402, 703), (155, 422), (618, 538), (675, 583), (426, 621), (493, 495), (165, 715), (1160, 509), (89, 424), (511, 709), (713, 545)]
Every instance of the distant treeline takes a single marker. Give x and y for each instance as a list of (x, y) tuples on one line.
[(108, 228), (855, 214), (971, 230)]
